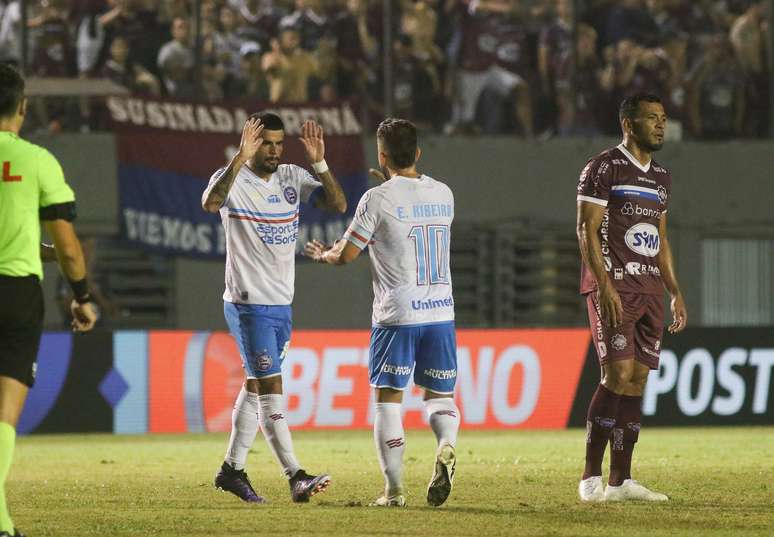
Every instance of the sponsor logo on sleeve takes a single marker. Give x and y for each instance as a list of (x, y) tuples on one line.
[(643, 239)]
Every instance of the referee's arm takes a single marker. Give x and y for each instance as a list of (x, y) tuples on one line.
[(68, 248)]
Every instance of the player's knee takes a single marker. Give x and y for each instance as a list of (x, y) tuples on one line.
[(271, 385), (430, 394), (637, 386), (618, 377), (388, 395)]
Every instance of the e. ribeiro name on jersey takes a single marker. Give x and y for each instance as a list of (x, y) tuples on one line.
[(406, 224), (260, 219), (635, 198)]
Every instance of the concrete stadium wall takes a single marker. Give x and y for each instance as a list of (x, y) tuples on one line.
[(718, 187)]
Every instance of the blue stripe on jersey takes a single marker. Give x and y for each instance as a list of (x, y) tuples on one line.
[(256, 213), (634, 193)]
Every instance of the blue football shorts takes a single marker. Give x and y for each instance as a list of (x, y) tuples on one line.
[(427, 350), (262, 334)]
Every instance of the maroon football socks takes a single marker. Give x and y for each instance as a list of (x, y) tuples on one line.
[(624, 436), (600, 422)]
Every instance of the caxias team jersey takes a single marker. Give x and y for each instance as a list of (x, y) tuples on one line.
[(261, 223), (635, 197)]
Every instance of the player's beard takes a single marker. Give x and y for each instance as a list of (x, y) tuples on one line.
[(652, 147), (645, 143), (269, 167)]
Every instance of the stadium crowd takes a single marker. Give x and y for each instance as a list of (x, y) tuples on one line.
[(467, 66)]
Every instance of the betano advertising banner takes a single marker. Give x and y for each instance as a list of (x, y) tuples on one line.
[(167, 151), (182, 381)]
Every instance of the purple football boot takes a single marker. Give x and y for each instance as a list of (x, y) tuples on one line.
[(303, 486), (236, 482)]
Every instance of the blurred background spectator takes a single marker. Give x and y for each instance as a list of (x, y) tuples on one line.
[(176, 61), (124, 71), (289, 68), (523, 67)]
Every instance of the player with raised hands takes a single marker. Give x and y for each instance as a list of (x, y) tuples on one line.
[(258, 201)]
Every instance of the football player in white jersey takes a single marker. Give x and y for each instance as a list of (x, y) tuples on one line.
[(258, 201), (405, 222)]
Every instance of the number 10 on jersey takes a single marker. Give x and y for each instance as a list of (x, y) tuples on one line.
[(431, 245)]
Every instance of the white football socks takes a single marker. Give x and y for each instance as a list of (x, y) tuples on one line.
[(444, 418), (275, 430), (244, 427), (390, 444)]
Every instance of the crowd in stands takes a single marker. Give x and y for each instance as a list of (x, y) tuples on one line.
[(527, 67)]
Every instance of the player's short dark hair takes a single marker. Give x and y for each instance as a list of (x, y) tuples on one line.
[(629, 106), (399, 140), (11, 90), (270, 121)]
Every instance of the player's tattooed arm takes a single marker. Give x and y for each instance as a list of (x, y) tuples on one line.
[(248, 147), (314, 145), (666, 266), (334, 199), (589, 220)]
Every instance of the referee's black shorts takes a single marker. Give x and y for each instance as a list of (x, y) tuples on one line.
[(21, 325)]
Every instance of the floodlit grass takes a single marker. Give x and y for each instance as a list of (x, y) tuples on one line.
[(721, 482)]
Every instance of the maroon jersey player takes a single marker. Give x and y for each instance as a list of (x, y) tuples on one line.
[(623, 196)]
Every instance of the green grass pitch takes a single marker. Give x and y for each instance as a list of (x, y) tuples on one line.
[(720, 481)]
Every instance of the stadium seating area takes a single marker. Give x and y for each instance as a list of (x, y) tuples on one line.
[(469, 66)]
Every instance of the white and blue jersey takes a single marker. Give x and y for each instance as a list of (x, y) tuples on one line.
[(260, 219), (261, 223), (406, 224)]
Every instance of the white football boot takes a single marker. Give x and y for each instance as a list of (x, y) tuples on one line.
[(443, 475), (630, 490), (591, 489), (396, 500)]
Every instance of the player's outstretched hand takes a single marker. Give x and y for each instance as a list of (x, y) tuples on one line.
[(610, 306), (679, 314), (84, 316), (312, 140), (315, 250), (251, 138)]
